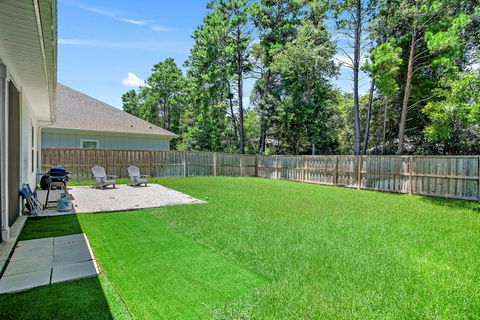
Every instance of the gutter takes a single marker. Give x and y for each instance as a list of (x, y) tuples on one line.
[(51, 91)]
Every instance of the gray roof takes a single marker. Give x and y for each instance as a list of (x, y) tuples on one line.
[(79, 111)]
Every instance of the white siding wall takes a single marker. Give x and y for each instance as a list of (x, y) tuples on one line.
[(72, 140), (27, 121)]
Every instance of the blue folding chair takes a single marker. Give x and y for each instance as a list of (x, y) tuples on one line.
[(34, 205)]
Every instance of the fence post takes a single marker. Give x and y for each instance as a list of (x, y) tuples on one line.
[(335, 178), (410, 172), (105, 159), (478, 188), (256, 165), (359, 176), (215, 164), (185, 166), (241, 166), (303, 166), (149, 163), (276, 167)]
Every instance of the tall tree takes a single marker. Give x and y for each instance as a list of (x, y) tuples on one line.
[(209, 78), (237, 51), (162, 99), (166, 84), (417, 25), (352, 17), (305, 66), (131, 103), (277, 23)]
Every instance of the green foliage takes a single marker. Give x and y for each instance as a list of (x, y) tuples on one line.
[(287, 49), (252, 131), (162, 100), (457, 106), (383, 67), (305, 65)]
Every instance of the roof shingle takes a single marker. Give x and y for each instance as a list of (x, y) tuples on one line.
[(79, 111)]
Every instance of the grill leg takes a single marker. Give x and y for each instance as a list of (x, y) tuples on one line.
[(48, 194)]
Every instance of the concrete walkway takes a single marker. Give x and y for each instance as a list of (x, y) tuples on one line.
[(39, 262)]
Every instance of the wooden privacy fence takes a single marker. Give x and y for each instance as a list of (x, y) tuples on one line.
[(153, 163), (442, 176)]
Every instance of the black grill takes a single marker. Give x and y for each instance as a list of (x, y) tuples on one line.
[(57, 177)]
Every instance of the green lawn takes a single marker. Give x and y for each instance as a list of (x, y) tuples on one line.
[(87, 299), (269, 249)]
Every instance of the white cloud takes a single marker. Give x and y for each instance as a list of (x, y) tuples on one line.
[(100, 11), (132, 80), (342, 60), (133, 21), (345, 61), (160, 29), (120, 17)]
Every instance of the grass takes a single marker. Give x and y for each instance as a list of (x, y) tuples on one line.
[(92, 298), (314, 252), (37, 228), (336, 253), (160, 272)]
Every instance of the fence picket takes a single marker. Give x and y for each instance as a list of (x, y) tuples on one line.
[(442, 176)]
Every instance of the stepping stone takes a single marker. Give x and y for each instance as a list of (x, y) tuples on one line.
[(71, 253), (33, 248), (35, 243), (29, 264), (58, 241), (20, 282), (74, 271)]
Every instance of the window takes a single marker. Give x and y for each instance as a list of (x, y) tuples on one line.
[(33, 150), (89, 144)]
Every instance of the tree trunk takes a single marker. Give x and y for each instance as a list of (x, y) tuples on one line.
[(263, 125), (234, 119), (384, 126), (406, 96), (367, 120), (356, 69), (263, 138), (240, 95)]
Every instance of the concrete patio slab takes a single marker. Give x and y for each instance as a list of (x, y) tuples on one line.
[(51, 210), (74, 271), (6, 248), (33, 248), (30, 264), (124, 198), (58, 241), (39, 262), (24, 281), (71, 253)]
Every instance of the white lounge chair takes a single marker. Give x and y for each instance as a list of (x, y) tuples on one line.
[(136, 178), (102, 179)]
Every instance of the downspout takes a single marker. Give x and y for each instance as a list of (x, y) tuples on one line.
[(42, 124), (3, 154)]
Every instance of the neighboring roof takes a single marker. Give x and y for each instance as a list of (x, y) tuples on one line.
[(79, 111)]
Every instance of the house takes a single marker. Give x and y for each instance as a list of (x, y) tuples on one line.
[(28, 64), (85, 122)]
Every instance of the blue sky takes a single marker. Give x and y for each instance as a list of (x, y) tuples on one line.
[(106, 47)]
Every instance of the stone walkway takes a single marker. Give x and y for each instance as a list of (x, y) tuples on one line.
[(39, 262)]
